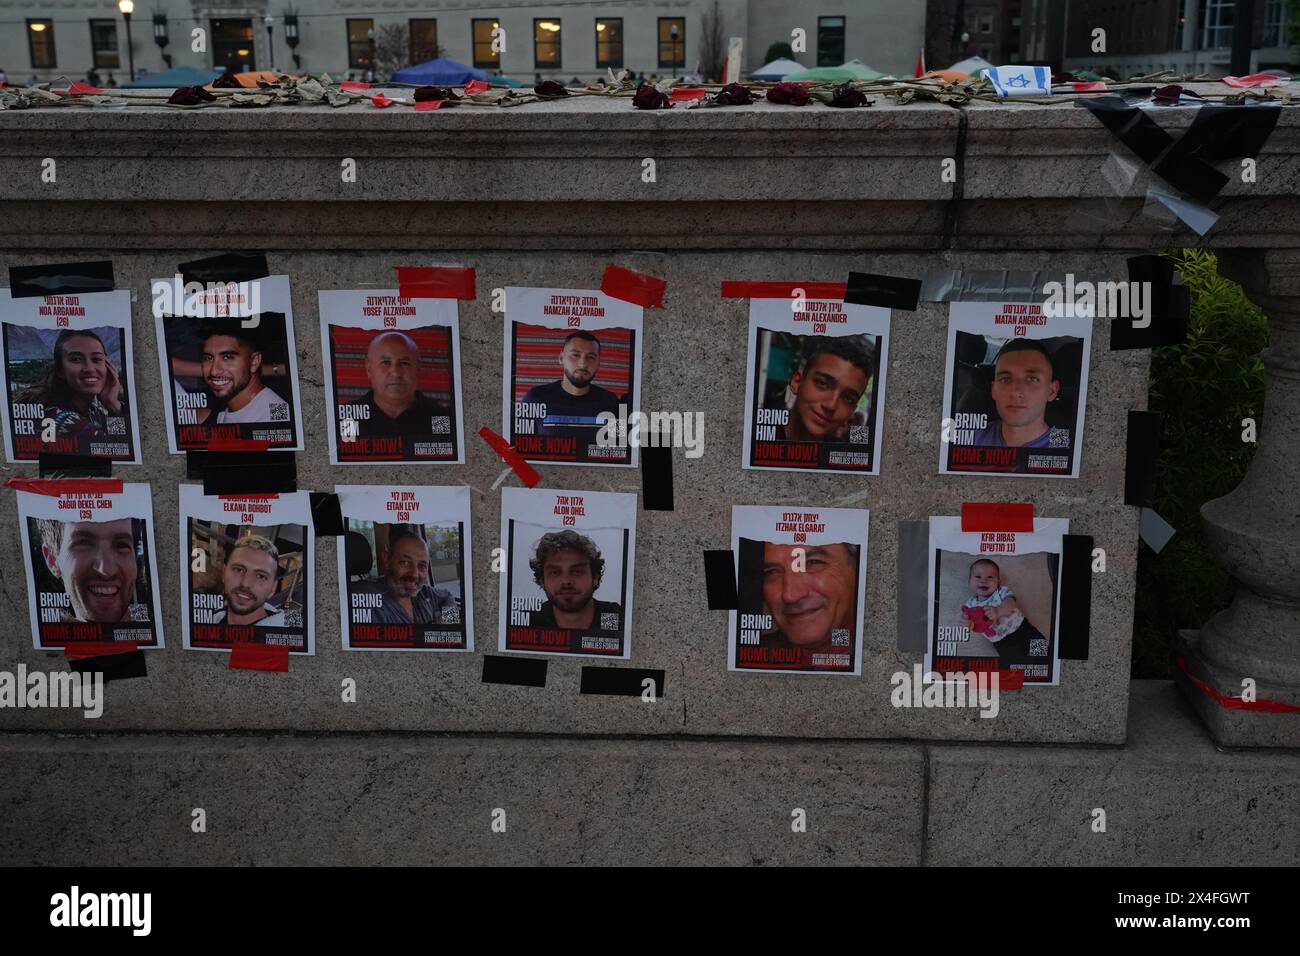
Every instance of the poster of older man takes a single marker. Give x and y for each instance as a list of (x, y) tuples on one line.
[(403, 566), (392, 377), (800, 587), (92, 576)]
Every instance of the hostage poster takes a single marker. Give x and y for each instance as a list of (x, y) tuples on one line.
[(995, 600), (801, 575), (90, 560), (403, 568), (229, 364), (246, 570), (392, 377), (815, 385), (567, 586), (68, 377), (1015, 390), (572, 358)]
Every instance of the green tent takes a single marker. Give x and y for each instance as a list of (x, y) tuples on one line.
[(835, 74)]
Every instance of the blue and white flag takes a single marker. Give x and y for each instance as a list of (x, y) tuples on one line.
[(1021, 80)]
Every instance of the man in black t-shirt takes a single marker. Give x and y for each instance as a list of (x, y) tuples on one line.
[(573, 403), (568, 567), (396, 407)]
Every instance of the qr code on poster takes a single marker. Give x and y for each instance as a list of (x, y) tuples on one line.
[(1058, 438), (138, 613), (449, 615), (279, 411), (860, 434), (609, 621), (840, 637), (440, 425), (293, 618), (115, 426), (1038, 647)]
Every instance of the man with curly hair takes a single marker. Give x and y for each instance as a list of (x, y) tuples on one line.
[(568, 568)]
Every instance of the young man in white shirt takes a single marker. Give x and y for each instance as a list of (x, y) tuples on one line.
[(232, 370)]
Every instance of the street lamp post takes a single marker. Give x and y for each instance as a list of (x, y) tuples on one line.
[(160, 36), (674, 32), (270, 42), (127, 7), (291, 34)]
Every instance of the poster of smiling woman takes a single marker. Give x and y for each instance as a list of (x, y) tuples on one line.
[(67, 376)]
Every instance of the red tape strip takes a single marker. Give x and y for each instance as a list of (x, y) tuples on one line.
[(1236, 703), (782, 290), (78, 88), (423, 106), (54, 487), (476, 86), (238, 444), (380, 100), (84, 650), (352, 85), (1254, 79), (635, 287), (685, 94), (435, 282), (996, 516), (259, 657), (526, 472)]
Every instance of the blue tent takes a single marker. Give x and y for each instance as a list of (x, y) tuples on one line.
[(180, 76), (439, 72)]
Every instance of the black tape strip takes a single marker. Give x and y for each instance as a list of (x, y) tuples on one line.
[(227, 267), (620, 681), (912, 590), (1217, 133), (524, 672), (888, 292), (57, 465), (1139, 132), (68, 278), (1143, 445), (1170, 305), (113, 666), (327, 514), (656, 478), (1076, 596), (720, 580), (243, 473)]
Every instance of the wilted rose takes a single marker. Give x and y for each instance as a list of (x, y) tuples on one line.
[(734, 94), (425, 93), (550, 88), (226, 81), (1167, 95), (791, 94), (190, 96), (649, 98), (847, 97)]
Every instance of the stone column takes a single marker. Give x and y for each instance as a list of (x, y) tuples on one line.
[(1255, 530)]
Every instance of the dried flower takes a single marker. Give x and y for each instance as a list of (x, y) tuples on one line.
[(734, 94), (190, 96), (847, 97), (647, 97), (550, 88), (791, 94), (425, 93), (227, 81)]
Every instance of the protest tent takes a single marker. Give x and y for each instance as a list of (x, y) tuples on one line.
[(440, 72), (777, 70), (174, 79)]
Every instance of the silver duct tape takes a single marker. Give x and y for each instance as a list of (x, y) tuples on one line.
[(913, 586), (993, 285)]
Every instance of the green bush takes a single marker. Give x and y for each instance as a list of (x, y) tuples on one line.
[(779, 51), (1203, 389)]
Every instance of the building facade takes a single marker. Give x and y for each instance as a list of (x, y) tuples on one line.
[(1146, 36), (561, 40)]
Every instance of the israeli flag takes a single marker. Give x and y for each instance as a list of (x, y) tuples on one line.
[(1021, 80)]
